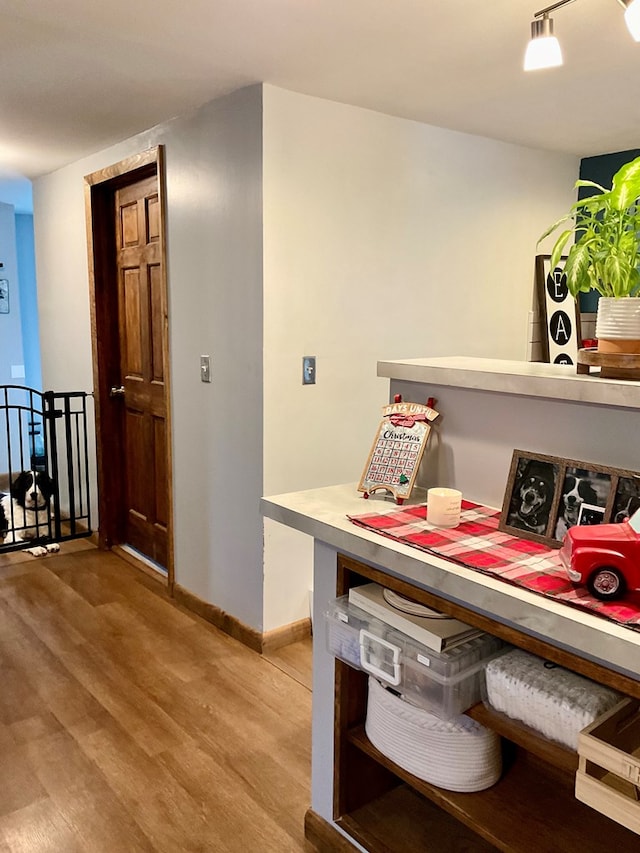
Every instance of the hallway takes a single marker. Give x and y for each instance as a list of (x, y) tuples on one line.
[(129, 724)]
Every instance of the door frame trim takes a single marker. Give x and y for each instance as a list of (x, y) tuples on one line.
[(99, 190)]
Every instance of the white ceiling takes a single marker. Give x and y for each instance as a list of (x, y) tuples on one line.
[(78, 75)]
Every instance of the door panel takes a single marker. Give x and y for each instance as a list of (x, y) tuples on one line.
[(141, 310), (160, 443), (129, 225), (156, 307), (153, 219), (132, 343)]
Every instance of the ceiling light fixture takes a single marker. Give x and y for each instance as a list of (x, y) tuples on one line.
[(632, 17), (543, 51)]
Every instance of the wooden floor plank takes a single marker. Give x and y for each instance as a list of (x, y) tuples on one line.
[(294, 660), (44, 604), (18, 699), (98, 577), (129, 724), (238, 823), (144, 641), (84, 798), (52, 685), (101, 675), (20, 785), (38, 827), (165, 811)]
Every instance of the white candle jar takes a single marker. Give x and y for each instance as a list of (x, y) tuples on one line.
[(443, 507)]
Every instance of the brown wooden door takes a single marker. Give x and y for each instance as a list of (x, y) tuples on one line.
[(141, 317)]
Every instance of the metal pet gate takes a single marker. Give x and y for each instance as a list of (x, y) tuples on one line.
[(47, 432)]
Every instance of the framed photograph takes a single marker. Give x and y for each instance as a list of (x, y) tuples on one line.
[(4, 296), (529, 498), (627, 498), (546, 495), (559, 313), (584, 498)]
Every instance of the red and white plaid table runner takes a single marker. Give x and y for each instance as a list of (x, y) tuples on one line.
[(478, 544)]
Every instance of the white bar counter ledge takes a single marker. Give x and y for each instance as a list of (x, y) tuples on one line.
[(526, 378)]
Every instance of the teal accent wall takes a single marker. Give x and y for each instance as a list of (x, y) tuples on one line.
[(11, 349), (28, 300), (600, 169)]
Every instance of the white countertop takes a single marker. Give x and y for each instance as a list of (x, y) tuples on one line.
[(530, 379), (322, 513)]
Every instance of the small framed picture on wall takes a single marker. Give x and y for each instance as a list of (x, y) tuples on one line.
[(559, 313), (4, 296)]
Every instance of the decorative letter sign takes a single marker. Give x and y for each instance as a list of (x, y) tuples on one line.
[(397, 449), (559, 315)]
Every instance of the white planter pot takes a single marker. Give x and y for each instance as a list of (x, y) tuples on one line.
[(617, 323)]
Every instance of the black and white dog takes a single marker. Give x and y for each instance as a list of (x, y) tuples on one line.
[(25, 512), (576, 491), (531, 500)]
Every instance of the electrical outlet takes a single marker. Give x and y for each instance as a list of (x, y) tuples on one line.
[(205, 368), (308, 370)]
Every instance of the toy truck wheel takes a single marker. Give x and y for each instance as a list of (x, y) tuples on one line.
[(606, 583)]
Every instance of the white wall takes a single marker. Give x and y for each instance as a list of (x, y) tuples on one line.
[(380, 238), (383, 238), (214, 243)]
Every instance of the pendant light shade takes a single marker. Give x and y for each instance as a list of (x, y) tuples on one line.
[(632, 18), (543, 51)]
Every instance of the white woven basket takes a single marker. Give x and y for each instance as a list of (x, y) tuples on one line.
[(458, 754), (554, 701)]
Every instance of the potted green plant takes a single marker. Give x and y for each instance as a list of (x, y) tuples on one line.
[(606, 256)]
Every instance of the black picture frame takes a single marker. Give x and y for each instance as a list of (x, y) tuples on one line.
[(4, 296), (559, 312)]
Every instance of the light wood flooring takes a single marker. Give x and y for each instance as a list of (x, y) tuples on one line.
[(129, 724)]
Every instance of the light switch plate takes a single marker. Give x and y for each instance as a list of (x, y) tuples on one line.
[(205, 368), (308, 370)]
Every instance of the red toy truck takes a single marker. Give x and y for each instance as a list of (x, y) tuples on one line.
[(605, 557)]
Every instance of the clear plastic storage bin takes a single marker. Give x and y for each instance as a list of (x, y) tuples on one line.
[(445, 683)]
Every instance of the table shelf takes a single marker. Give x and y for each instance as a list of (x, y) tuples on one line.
[(386, 809)]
